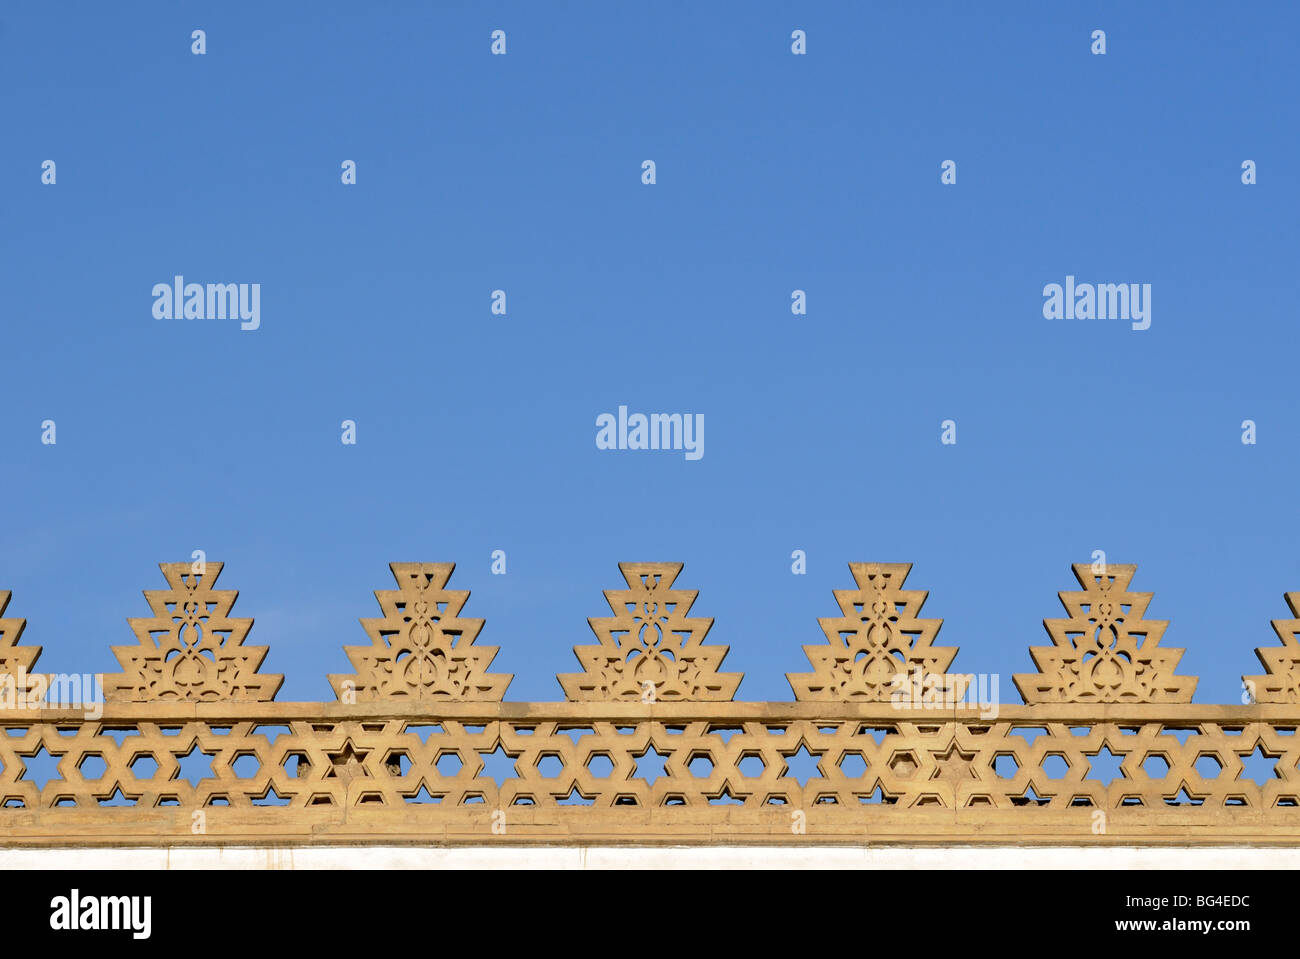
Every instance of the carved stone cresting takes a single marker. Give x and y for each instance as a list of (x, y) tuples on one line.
[(649, 650), (16, 661), (1105, 652), (191, 649), (1281, 680), (422, 648), (412, 769), (879, 646)]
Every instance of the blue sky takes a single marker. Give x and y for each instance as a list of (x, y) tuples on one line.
[(775, 172)]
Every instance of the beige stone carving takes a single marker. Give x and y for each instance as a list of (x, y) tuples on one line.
[(16, 662), (426, 759), (190, 649), (650, 650), (1105, 652), (1281, 680), (878, 645), (422, 648)]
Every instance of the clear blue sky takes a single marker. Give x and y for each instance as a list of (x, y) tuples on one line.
[(775, 172)]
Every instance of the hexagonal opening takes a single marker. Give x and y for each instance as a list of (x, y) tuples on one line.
[(1208, 766), (600, 765), (246, 766), (751, 765), (903, 763), (92, 766), (449, 764), (549, 765), (700, 765), (296, 765), (143, 765), (1054, 766), (853, 765), (1156, 766), (1005, 766), (398, 762)]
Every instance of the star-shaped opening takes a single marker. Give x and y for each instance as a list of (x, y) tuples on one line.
[(1259, 766), (41, 767), (499, 765), (194, 765), (650, 765), (953, 765), (802, 765), (1104, 766), (347, 763)]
